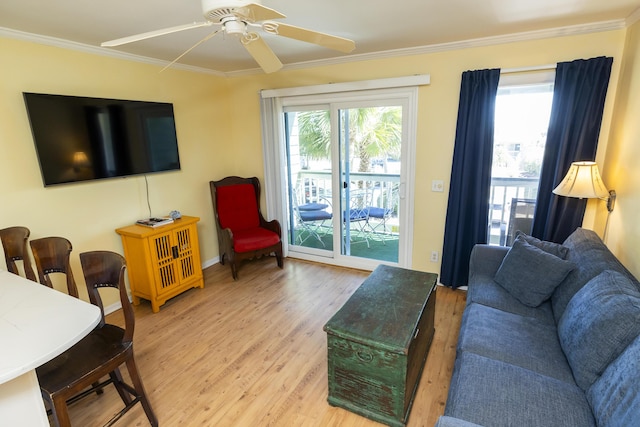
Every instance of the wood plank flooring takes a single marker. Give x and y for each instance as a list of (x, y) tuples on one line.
[(253, 352)]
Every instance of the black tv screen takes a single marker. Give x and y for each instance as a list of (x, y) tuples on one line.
[(80, 138)]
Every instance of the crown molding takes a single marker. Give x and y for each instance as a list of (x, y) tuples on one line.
[(464, 44), (419, 50), (633, 18), (97, 50)]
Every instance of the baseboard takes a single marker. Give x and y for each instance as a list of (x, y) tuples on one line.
[(117, 305), (113, 307), (210, 262)]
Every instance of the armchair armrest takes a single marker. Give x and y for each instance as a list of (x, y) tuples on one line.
[(486, 259), (272, 225)]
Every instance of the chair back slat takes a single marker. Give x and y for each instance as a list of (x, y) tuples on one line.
[(16, 248), (52, 255), (105, 269)]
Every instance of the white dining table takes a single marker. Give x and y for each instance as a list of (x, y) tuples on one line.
[(37, 324)]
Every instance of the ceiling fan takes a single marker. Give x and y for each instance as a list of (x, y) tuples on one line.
[(239, 18)]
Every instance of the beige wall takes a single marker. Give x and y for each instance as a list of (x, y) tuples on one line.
[(88, 213), (438, 106), (620, 170), (218, 125)]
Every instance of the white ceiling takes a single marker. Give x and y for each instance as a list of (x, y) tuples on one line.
[(375, 25)]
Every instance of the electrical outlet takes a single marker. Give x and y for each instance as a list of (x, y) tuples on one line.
[(434, 256), (437, 185)]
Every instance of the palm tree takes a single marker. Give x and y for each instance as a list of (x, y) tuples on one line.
[(373, 132)]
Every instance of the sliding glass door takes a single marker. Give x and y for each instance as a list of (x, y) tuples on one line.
[(346, 180)]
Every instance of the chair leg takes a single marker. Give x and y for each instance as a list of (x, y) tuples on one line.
[(234, 270), (279, 258), (137, 384), (98, 390), (116, 378), (59, 411)]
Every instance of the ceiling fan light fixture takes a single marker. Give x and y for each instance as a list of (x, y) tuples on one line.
[(234, 26)]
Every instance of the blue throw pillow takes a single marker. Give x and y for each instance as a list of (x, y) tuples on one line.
[(599, 322), (531, 274), (550, 247)]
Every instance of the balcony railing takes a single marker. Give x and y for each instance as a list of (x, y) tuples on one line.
[(503, 213), (316, 185), (381, 187)]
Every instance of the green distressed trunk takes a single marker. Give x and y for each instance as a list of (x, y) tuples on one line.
[(378, 342)]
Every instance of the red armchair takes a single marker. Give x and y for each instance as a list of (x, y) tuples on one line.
[(243, 233)]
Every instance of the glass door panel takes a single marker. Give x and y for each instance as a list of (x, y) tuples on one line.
[(370, 147), (343, 170), (309, 178)]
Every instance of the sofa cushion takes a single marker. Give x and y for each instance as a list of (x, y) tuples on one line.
[(615, 396), (494, 393), (518, 340), (550, 247), (531, 274), (591, 257), (484, 290), (599, 323)]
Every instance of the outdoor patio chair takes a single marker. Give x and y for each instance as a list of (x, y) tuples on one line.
[(312, 219), (383, 211), (359, 205)]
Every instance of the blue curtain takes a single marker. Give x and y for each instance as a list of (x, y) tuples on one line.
[(468, 208), (576, 114)]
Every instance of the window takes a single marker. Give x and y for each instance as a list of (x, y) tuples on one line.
[(521, 122)]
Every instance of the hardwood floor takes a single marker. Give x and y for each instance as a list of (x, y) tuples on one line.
[(253, 352)]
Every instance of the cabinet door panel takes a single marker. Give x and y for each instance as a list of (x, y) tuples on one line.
[(185, 243), (163, 258)]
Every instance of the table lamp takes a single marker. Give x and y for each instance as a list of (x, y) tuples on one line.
[(583, 181)]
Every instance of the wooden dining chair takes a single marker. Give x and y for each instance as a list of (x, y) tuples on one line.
[(16, 248), (77, 372), (52, 255)]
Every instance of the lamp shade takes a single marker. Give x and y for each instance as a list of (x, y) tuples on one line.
[(583, 181)]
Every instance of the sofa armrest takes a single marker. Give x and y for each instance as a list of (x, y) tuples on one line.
[(444, 421), (486, 259)]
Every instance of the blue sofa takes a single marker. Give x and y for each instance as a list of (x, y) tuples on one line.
[(550, 336)]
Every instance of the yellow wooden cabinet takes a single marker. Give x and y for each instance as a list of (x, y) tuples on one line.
[(162, 262)]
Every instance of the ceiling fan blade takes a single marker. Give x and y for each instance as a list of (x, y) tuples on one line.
[(309, 36), (204, 39), (261, 52), (256, 12), (156, 33)]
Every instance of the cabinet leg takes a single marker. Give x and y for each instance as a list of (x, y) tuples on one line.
[(135, 300)]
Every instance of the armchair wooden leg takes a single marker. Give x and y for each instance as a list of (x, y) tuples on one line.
[(234, 270)]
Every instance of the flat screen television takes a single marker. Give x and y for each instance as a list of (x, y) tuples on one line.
[(80, 138)]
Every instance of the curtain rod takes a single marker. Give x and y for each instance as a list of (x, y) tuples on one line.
[(526, 69)]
